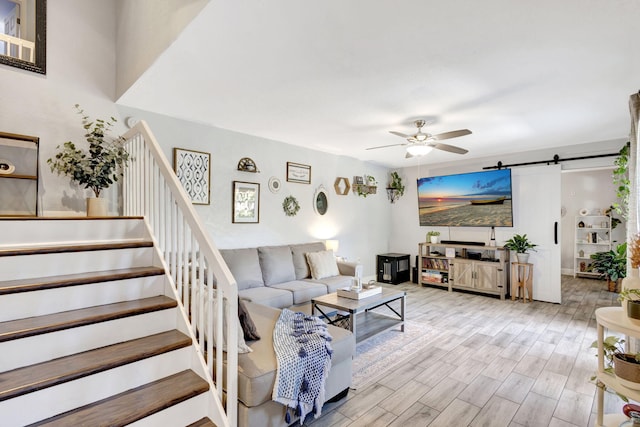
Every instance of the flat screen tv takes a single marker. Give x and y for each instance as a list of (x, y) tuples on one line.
[(477, 199)]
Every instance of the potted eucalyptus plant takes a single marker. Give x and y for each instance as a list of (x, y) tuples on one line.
[(520, 244), (97, 167)]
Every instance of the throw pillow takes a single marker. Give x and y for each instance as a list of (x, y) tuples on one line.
[(248, 327), (322, 264)]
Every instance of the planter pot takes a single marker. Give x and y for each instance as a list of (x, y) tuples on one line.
[(522, 258), (97, 206), (627, 370), (613, 285), (434, 239), (630, 283), (633, 309)]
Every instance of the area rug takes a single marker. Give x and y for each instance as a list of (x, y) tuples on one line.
[(381, 353)]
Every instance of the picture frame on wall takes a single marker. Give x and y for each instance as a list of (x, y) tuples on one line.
[(246, 202), (194, 173), (358, 180), (299, 173)]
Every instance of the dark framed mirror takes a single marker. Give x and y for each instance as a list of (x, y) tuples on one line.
[(23, 43), (320, 201)]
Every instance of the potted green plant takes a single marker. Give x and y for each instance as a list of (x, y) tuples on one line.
[(520, 244), (395, 189), (97, 167), (611, 264), (630, 299), (432, 236), (625, 366)]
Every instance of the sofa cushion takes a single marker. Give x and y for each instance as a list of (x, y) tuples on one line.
[(276, 264), (322, 264), (278, 298), (249, 329), (303, 291), (334, 283), (300, 260), (245, 266), (257, 370)]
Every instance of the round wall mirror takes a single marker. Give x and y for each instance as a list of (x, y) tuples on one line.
[(321, 201)]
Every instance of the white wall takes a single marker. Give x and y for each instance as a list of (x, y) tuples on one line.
[(360, 224), (406, 232)]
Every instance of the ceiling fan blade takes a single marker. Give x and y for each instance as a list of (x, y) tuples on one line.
[(400, 134), (452, 134), (408, 155), (385, 146), (449, 148)]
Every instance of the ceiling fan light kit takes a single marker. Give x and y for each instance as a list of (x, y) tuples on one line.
[(421, 143)]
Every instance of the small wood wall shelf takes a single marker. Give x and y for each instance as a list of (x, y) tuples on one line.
[(342, 186)]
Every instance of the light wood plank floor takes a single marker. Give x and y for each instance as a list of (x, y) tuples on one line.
[(494, 363)]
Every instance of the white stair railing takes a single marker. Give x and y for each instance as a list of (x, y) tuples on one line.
[(17, 48), (151, 189)]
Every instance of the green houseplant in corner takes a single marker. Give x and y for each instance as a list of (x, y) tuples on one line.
[(521, 245), (611, 264), (97, 167)]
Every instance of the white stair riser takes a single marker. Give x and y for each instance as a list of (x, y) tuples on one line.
[(44, 265), (40, 348), (51, 401), (38, 303), (29, 232), (182, 414)]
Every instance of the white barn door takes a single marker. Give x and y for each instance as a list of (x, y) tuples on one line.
[(537, 214)]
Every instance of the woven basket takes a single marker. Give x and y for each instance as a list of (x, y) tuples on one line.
[(627, 370)]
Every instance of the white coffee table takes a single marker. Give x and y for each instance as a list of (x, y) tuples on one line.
[(361, 320)]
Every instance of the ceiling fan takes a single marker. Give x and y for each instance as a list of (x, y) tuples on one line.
[(421, 143)]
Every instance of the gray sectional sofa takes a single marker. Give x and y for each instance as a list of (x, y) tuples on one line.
[(272, 278), (280, 277)]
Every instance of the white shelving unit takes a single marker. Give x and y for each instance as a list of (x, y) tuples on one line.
[(592, 234), (614, 319)]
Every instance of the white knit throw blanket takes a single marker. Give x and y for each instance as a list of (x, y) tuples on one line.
[(303, 352)]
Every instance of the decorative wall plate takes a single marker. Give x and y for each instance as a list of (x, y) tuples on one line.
[(274, 184), (6, 168)]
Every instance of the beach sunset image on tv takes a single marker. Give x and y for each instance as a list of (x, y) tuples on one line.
[(477, 199)]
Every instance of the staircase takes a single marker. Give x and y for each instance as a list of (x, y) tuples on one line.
[(91, 332)]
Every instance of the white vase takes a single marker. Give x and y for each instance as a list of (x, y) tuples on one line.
[(522, 258), (97, 206), (434, 239)]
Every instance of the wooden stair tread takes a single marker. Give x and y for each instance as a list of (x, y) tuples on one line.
[(203, 422), (20, 328), (35, 284), (133, 405), (51, 249), (68, 368)]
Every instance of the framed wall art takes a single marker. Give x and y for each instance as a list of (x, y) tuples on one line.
[(246, 202), (193, 171), (298, 173)]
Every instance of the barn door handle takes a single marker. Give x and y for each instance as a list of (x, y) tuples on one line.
[(555, 232)]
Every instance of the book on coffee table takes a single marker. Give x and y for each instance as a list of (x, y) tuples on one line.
[(364, 293)]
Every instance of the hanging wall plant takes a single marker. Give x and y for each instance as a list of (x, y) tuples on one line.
[(621, 181), (290, 206)]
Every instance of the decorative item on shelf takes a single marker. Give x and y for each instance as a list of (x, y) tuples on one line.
[(625, 366), (247, 164), (581, 224), (290, 206), (274, 184), (612, 265), (630, 299), (432, 236), (342, 186), (192, 170), (395, 190), (584, 212), (363, 186), (581, 253), (634, 251), (521, 245), (6, 167), (99, 166)]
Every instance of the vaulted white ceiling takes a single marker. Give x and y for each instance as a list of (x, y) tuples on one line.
[(338, 75)]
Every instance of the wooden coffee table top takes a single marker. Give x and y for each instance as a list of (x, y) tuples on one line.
[(357, 305)]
